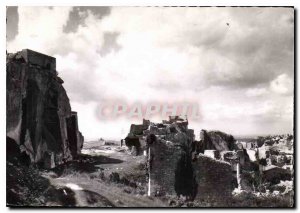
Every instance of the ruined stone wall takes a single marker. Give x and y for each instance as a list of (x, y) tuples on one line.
[(163, 162), (175, 170), (170, 169), (214, 178), (38, 109), (170, 158)]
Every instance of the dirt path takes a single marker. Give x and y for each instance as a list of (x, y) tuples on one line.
[(80, 180), (96, 194)]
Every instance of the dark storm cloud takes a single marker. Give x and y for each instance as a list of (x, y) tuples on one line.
[(78, 15), (12, 21), (109, 43)]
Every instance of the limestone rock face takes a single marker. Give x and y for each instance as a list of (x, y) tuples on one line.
[(216, 140), (39, 117)]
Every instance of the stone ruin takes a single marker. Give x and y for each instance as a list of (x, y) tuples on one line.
[(40, 125), (273, 155), (135, 139), (179, 165), (169, 158), (224, 148)]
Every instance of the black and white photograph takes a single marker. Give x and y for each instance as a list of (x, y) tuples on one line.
[(150, 106)]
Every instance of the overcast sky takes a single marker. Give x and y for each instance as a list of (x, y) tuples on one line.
[(237, 64)]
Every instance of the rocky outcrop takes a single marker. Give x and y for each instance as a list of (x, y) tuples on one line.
[(39, 119), (215, 140)]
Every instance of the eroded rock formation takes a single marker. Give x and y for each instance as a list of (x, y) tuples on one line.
[(39, 119), (215, 140)]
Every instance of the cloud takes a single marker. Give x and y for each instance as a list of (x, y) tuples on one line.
[(78, 15), (254, 92), (283, 85), (234, 62), (109, 43), (228, 55), (39, 30)]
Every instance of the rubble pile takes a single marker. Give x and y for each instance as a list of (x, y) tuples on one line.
[(39, 121)]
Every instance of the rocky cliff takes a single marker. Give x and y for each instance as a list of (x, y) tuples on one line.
[(39, 120), (215, 140)]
